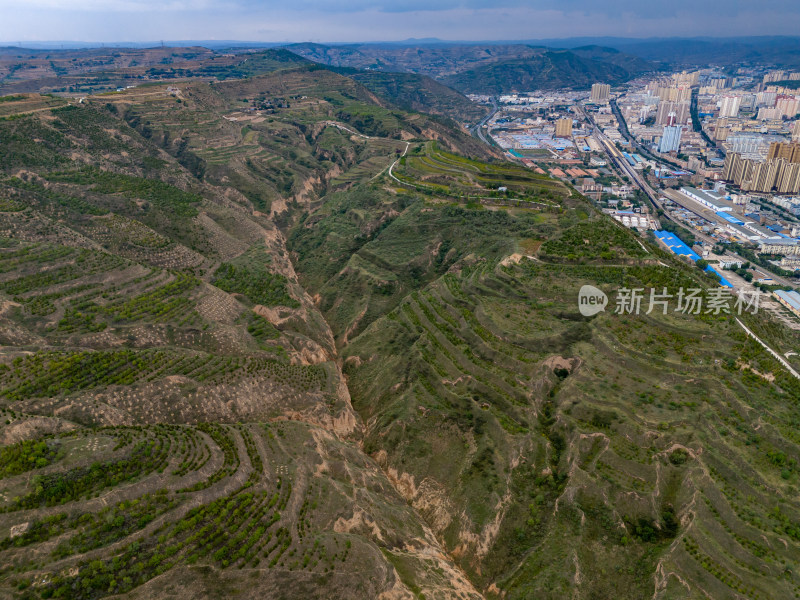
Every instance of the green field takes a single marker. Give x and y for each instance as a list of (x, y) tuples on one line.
[(428, 168)]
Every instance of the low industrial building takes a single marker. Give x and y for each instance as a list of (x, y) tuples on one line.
[(791, 263), (742, 233), (632, 219), (790, 300), (761, 232), (779, 245), (728, 263), (708, 198)]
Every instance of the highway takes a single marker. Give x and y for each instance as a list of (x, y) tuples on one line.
[(478, 129), (712, 217), (619, 161), (624, 166), (623, 128), (616, 157)]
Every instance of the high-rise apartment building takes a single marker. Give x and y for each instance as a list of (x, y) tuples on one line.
[(667, 94), (671, 139), (679, 109), (719, 83), (564, 127), (601, 92), (768, 114), (729, 106), (787, 106), (790, 152), (685, 78), (663, 111), (796, 132), (774, 76), (748, 102), (766, 99), (681, 93), (788, 179), (748, 143), (735, 167), (779, 173)]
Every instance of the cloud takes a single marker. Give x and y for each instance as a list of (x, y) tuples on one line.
[(112, 6), (212, 6), (691, 9), (372, 20), (650, 10)]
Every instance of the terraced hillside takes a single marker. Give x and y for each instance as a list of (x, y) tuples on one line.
[(272, 337), (420, 93), (549, 451), (157, 347), (555, 455), (25, 70), (210, 507), (484, 68), (99, 70), (428, 168)]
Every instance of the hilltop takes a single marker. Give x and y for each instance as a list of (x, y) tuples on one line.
[(411, 91), (485, 68), (101, 69), (548, 70)]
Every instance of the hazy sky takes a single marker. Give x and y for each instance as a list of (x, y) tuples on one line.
[(360, 20)]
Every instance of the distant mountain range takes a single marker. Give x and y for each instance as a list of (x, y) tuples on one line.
[(486, 69), (412, 91), (780, 50), (548, 70), (428, 66)]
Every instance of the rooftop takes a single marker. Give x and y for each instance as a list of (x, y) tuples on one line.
[(792, 298), (708, 196), (672, 242), (779, 241)]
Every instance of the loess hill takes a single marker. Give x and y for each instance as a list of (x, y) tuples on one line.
[(484, 68), (276, 337)]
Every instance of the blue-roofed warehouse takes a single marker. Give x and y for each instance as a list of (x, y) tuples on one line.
[(790, 300), (671, 241), (730, 218)]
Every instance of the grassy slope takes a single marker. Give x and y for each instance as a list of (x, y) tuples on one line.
[(554, 454), (411, 91), (550, 70), (487, 69), (110, 249), (481, 427)]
